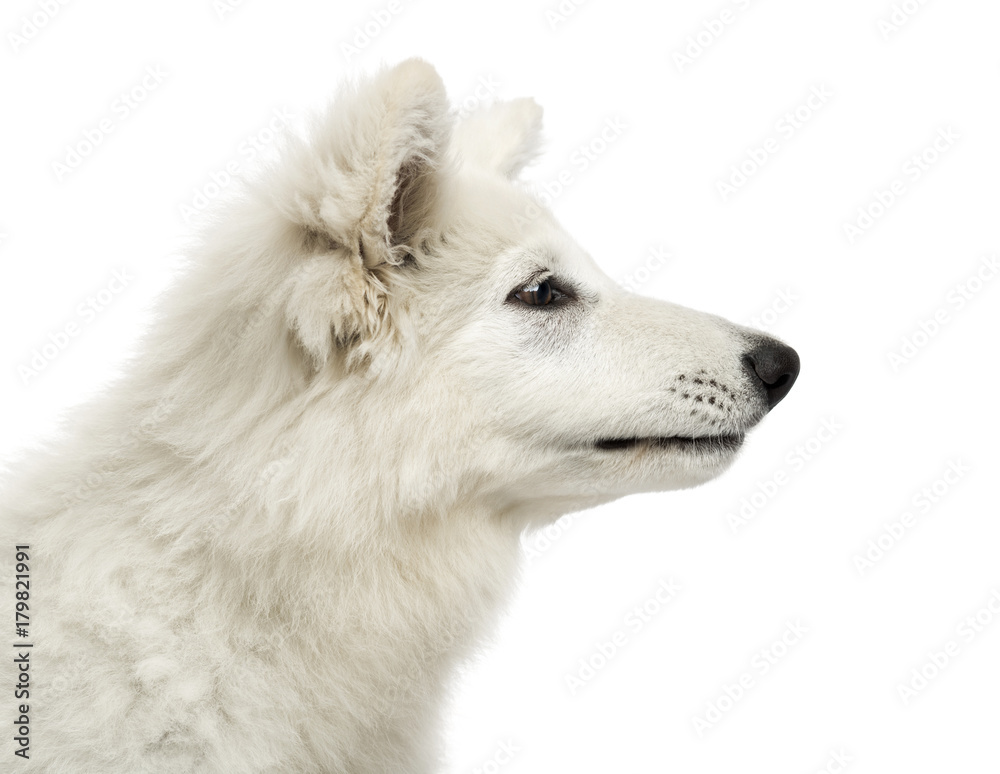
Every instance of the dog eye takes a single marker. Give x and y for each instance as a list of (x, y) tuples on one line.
[(537, 294)]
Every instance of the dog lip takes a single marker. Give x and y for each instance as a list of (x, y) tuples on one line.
[(730, 442)]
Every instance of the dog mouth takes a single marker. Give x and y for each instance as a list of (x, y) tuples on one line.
[(705, 444)]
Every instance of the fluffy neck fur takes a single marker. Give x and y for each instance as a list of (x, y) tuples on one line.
[(360, 590)]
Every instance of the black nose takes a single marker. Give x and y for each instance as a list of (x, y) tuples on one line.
[(775, 366)]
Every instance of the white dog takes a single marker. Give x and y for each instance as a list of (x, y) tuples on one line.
[(265, 548)]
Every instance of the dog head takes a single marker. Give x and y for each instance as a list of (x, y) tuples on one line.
[(442, 322)]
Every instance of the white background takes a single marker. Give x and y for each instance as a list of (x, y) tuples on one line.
[(779, 235)]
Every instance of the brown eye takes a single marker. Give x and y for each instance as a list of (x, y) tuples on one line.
[(538, 294)]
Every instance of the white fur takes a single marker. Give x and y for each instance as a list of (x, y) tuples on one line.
[(265, 547)]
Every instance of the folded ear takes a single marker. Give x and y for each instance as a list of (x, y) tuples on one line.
[(361, 187), (503, 137)]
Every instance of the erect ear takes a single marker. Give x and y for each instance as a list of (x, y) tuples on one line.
[(366, 177), (362, 189), (503, 137)]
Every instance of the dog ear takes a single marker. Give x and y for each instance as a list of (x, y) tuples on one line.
[(503, 137), (365, 177), (362, 188)]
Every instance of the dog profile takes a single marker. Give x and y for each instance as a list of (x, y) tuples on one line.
[(265, 547)]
